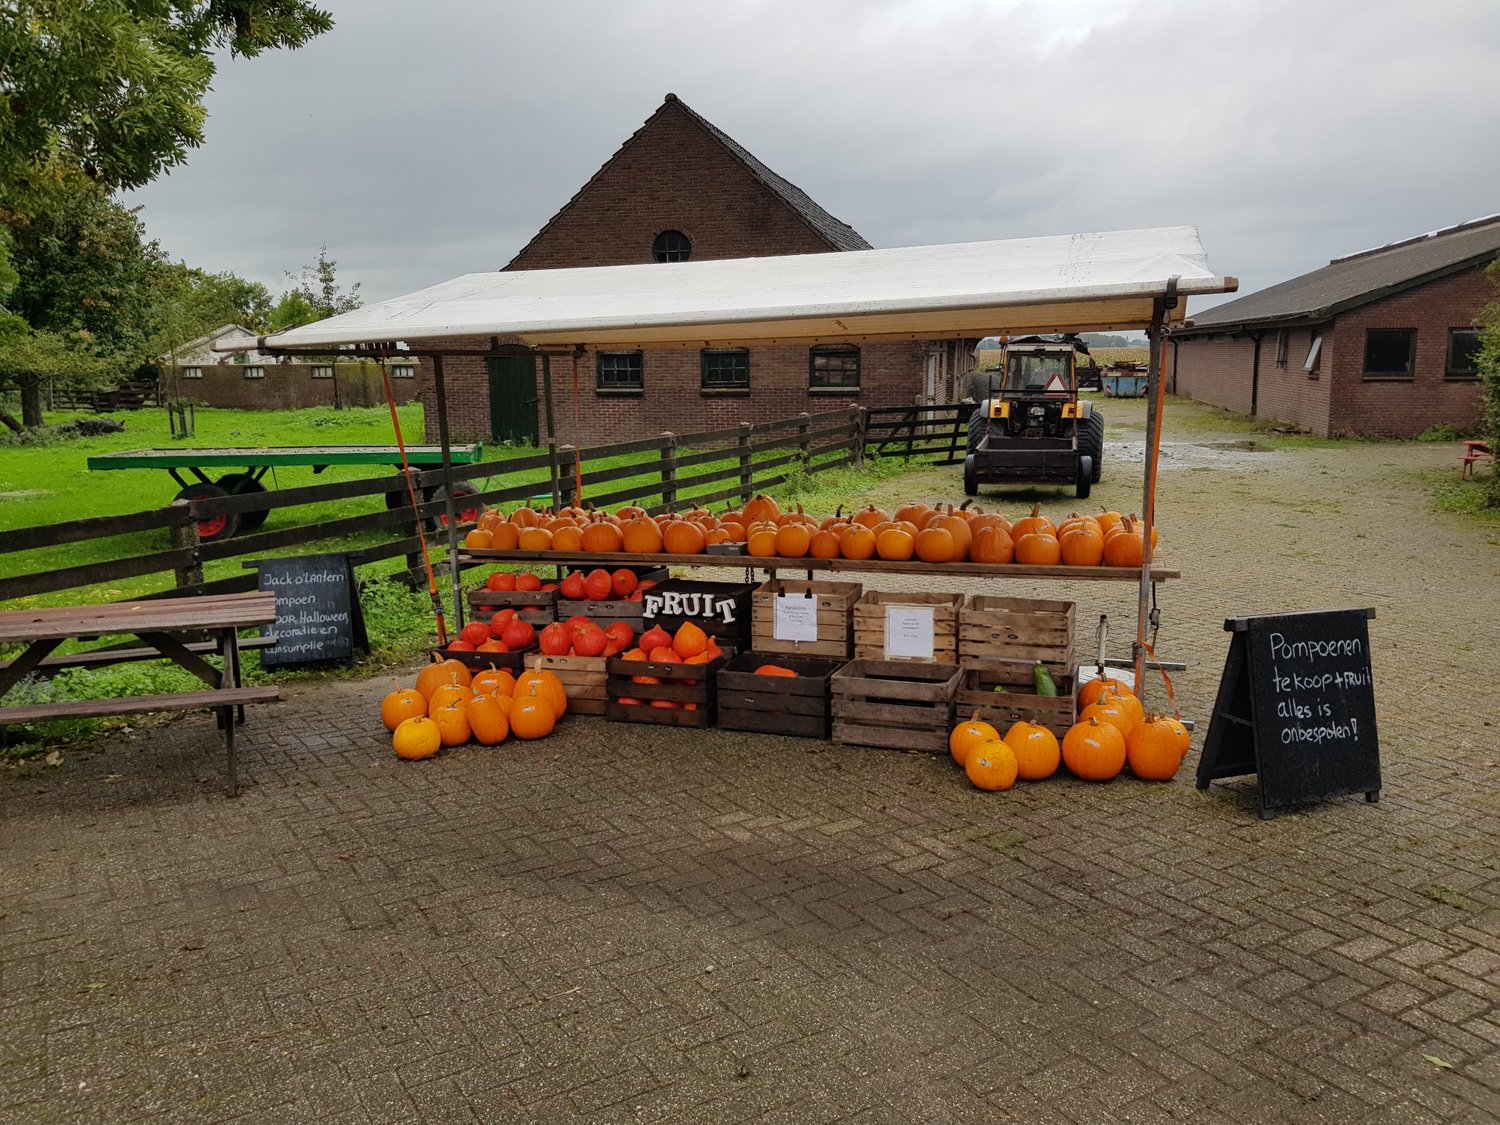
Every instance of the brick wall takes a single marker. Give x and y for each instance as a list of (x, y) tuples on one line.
[(290, 386), (1212, 369), (672, 398), (1406, 407), (1288, 391)]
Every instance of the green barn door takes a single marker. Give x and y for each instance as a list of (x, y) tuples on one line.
[(513, 398)]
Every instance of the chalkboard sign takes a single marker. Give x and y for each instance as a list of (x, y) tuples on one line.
[(1296, 707), (317, 609)]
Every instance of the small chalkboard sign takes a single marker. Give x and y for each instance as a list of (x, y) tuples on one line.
[(318, 614), (1296, 707)]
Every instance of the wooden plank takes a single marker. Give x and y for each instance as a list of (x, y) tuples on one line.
[(122, 654), (93, 574), (889, 738), (96, 527), (773, 722), (136, 704), (116, 618)]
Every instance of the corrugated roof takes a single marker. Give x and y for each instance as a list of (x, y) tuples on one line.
[(1357, 279), (838, 234)]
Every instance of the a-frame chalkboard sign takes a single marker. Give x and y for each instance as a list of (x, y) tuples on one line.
[(318, 615), (1296, 707)]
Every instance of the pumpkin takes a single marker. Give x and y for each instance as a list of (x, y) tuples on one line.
[(1093, 689), (435, 675), (505, 537), (531, 714), (535, 539), (517, 634), (870, 516), (502, 582), (489, 719), (761, 542), (602, 537), (445, 695), (1082, 544), (525, 516), (1036, 750), (630, 512), (934, 545), (683, 537), (528, 583), (400, 705), (824, 545), (599, 585), (475, 632), (1125, 545), (549, 687), (690, 640), (895, 544), (958, 527), (762, 508), (479, 538), (913, 512), (991, 765), (1032, 523), (623, 582), (1038, 548), (793, 540), (1155, 748), (775, 670), (1123, 711), (416, 738), (589, 640), (1093, 750), (968, 734), (857, 542), (452, 723), (485, 682), (666, 654), (567, 539), (654, 638), (642, 536), (555, 639), (992, 544)]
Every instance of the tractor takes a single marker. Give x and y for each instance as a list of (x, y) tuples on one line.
[(1030, 426)]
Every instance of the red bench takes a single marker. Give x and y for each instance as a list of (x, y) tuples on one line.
[(1474, 452)]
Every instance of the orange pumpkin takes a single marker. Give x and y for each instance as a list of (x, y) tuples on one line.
[(416, 738), (761, 542), (452, 723), (969, 734), (445, 695), (568, 538), (991, 765), (857, 542), (993, 545), (689, 641), (489, 719), (1082, 544), (824, 545), (762, 508), (793, 540), (535, 539), (958, 527), (642, 536), (531, 714), (1125, 545), (485, 682), (1092, 689), (895, 544), (505, 537), (1036, 749), (435, 675), (1093, 750), (870, 516), (480, 539), (775, 670), (1034, 522), (934, 545), (548, 686), (683, 537), (1156, 747), (1038, 548), (400, 705), (1123, 710), (602, 537)]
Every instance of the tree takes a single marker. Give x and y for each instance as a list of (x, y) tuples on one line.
[(1488, 323), (113, 89), (316, 296), (28, 359)]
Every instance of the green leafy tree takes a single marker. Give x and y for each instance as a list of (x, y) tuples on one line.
[(315, 296), (113, 89), (1488, 323)]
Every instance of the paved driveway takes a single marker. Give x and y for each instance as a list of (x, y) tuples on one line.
[(623, 924)]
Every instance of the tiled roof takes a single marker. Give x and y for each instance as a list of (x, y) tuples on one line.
[(1357, 279)]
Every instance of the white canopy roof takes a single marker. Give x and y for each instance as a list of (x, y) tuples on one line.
[(1080, 282)]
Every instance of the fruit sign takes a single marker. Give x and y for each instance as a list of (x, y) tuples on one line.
[(678, 603)]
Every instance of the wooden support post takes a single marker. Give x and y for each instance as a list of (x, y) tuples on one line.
[(860, 416), (450, 508), (747, 470), (804, 441), (183, 534), (669, 471), (564, 481)]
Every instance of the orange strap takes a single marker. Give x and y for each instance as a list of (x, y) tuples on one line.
[(411, 490), (577, 436), (1166, 679)]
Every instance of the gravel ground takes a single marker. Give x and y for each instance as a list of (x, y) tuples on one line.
[(622, 924)]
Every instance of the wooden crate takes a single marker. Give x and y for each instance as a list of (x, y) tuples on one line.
[(897, 705), (976, 692), (776, 704), (583, 679), (478, 661), (691, 684), (535, 607), (870, 642), (835, 610), (991, 628), (602, 613), (720, 609)]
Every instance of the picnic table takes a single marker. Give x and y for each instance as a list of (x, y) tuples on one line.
[(164, 628)]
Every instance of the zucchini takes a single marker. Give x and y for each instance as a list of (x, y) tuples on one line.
[(1043, 678)]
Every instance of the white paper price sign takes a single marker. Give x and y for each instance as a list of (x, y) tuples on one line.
[(908, 632), (796, 618)]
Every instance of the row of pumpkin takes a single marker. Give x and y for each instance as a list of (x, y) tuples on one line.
[(934, 535)]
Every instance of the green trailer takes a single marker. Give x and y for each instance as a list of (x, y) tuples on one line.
[(248, 467)]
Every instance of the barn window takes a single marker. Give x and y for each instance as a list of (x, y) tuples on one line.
[(621, 372), (726, 370), (403, 371), (833, 367), (255, 373), (1314, 357), (671, 246), (322, 371), (1390, 353), (192, 372), (1463, 353), (1281, 344)]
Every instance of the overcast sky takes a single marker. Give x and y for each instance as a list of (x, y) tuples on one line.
[(425, 140)]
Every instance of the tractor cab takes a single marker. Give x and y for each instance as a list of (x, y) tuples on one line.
[(1035, 392)]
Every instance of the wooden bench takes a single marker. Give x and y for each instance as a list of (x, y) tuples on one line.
[(222, 700), (1475, 451), (103, 657)]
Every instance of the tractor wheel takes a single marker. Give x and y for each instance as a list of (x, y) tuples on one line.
[(214, 529), (243, 484), (1091, 441), (469, 510), (978, 423), (971, 478), (1085, 476), (400, 495)]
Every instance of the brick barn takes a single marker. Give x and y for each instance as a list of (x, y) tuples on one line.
[(1379, 343), (680, 189)]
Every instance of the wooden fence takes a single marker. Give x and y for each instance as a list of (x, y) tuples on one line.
[(935, 434), (663, 473)]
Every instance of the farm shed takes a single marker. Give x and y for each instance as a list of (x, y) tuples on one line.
[(1076, 283), (1380, 342), (224, 368), (682, 190)]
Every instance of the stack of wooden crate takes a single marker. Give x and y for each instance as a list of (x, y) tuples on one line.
[(1000, 642), (878, 613), (904, 705), (832, 607)]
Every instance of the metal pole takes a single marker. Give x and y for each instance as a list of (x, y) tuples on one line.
[(551, 434), (450, 508), (1154, 404)]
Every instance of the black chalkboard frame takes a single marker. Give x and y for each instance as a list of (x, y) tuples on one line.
[(359, 638), (1242, 735)]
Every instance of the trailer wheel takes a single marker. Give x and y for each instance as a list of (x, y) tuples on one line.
[(971, 478), (214, 529), (400, 496), (469, 509), (1085, 476), (978, 423), (243, 484), (1091, 441)]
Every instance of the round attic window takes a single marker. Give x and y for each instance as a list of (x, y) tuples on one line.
[(671, 246)]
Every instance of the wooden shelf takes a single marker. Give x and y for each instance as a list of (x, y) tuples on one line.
[(856, 566)]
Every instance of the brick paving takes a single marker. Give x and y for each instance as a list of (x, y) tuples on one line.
[(622, 924)]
